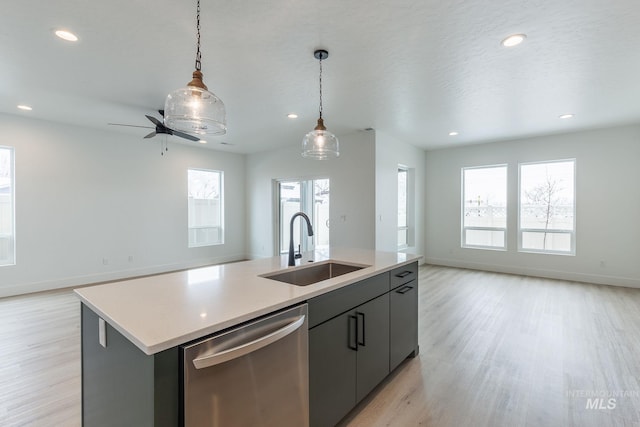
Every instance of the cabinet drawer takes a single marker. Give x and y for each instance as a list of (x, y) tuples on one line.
[(404, 274), (331, 304)]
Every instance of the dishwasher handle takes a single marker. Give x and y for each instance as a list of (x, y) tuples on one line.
[(244, 349)]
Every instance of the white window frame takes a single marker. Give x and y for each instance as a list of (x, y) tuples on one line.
[(307, 205), (464, 229), (11, 260), (404, 228), (572, 233), (192, 243)]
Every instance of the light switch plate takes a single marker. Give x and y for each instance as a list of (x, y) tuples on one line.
[(102, 332)]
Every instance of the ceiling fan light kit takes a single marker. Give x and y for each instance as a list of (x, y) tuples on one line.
[(320, 144), (193, 108)]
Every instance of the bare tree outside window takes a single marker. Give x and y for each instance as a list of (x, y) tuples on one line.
[(546, 199), (547, 207)]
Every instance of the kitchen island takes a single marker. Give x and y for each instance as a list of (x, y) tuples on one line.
[(146, 319)]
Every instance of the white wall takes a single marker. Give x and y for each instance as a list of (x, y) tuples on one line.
[(84, 195), (607, 206), (390, 153), (352, 200)]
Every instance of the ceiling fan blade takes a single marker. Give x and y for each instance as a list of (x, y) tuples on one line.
[(151, 135), (131, 126), (161, 112), (154, 120), (183, 135)]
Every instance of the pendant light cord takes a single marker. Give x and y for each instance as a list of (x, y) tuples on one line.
[(320, 86), (198, 55)]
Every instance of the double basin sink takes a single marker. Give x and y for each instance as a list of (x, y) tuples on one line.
[(310, 274)]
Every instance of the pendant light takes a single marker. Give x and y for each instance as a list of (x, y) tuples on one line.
[(193, 108), (320, 144)]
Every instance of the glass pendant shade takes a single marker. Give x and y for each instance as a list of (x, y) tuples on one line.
[(320, 144), (194, 109)]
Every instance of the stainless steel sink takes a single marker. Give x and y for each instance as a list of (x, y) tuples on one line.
[(310, 274)]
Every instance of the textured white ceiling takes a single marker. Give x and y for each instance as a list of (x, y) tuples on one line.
[(413, 69)]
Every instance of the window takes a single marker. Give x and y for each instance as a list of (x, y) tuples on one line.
[(205, 207), (484, 216), (312, 198), (547, 207), (403, 191), (7, 217)]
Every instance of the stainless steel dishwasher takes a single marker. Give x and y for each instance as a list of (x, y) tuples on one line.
[(254, 375)]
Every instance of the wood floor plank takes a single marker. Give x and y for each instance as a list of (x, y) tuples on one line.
[(40, 360), (495, 350), (506, 350)]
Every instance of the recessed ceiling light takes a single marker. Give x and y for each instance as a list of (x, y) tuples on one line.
[(453, 133), (202, 141), (292, 115), (25, 107), (67, 35), (566, 116), (513, 40)]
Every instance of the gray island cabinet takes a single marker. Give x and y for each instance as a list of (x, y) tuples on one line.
[(358, 334), (361, 326), (122, 386)]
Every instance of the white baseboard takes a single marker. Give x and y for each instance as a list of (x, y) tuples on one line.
[(600, 279), (91, 279)]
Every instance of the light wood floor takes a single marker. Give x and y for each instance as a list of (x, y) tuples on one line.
[(40, 360), (495, 350)]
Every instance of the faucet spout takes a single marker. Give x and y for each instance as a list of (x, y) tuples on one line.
[(292, 259)]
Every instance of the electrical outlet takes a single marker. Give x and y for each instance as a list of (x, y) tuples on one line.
[(105, 261), (102, 332), (130, 258)]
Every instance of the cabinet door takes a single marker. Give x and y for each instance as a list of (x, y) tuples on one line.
[(332, 373), (122, 386), (403, 322), (373, 344)]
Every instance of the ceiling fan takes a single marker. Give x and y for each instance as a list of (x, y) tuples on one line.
[(160, 128)]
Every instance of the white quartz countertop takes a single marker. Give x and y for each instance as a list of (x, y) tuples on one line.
[(161, 311)]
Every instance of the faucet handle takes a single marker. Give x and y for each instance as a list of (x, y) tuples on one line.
[(299, 254)]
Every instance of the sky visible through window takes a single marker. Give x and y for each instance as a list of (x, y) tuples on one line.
[(403, 228), (203, 184), (539, 175), (485, 207), (5, 167), (486, 186), (205, 207), (7, 248)]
